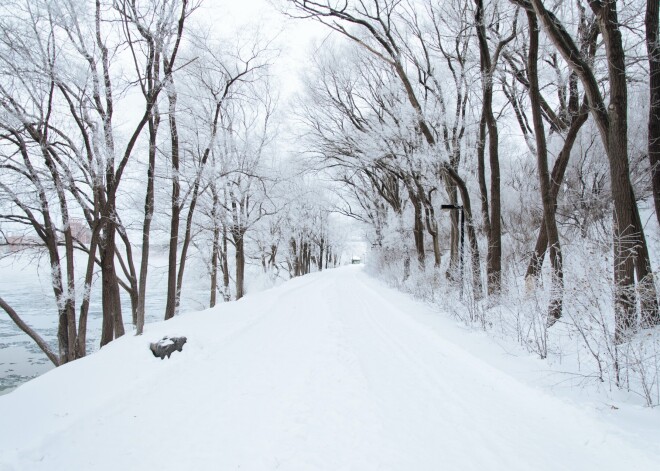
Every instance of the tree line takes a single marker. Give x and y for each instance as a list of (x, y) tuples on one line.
[(407, 110), (126, 120)]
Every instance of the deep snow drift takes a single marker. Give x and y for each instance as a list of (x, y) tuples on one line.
[(326, 372)]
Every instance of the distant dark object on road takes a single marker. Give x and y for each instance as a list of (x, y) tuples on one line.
[(167, 345)]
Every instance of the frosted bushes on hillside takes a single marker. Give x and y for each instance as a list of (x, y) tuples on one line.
[(522, 317), (581, 344), (583, 341), (642, 360), (589, 318), (632, 363), (388, 265)]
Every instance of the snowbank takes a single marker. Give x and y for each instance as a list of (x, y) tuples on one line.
[(329, 371)]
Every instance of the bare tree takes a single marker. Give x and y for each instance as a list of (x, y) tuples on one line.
[(92, 44), (443, 39), (153, 34), (217, 76), (630, 250), (652, 21), (378, 20), (492, 212), (554, 247), (247, 134), (40, 154)]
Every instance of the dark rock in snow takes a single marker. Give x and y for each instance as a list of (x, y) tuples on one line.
[(167, 345)]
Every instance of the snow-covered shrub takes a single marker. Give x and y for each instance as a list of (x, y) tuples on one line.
[(581, 343)]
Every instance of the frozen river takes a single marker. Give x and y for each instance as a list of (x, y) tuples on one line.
[(25, 285)]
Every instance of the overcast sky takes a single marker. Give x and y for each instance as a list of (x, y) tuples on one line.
[(294, 38)]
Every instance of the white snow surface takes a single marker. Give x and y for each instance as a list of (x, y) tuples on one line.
[(330, 371)]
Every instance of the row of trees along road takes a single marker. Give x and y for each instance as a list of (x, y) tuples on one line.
[(108, 109), (409, 109)]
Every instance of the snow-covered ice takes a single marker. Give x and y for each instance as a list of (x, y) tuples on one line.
[(331, 371)]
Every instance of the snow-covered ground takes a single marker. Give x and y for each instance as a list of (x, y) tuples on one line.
[(25, 285), (329, 371)]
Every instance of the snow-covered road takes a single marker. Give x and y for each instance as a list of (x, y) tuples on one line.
[(327, 372)]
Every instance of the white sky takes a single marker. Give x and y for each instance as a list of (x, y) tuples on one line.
[(295, 38)]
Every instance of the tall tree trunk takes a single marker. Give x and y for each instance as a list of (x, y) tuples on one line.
[(494, 257), (154, 122), (112, 325), (128, 267), (66, 333), (628, 236), (432, 229), (319, 262), (652, 21), (59, 292), (418, 224), (273, 257), (453, 235), (305, 257), (418, 234), (172, 288), (558, 172), (185, 245), (191, 209), (214, 266), (70, 307), (475, 265), (240, 264), (81, 340), (294, 255), (215, 247), (225, 267), (151, 88), (629, 242), (556, 296), (452, 192), (309, 257), (481, 173)]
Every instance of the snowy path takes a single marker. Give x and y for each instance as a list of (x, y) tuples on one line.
[(327, 372)]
